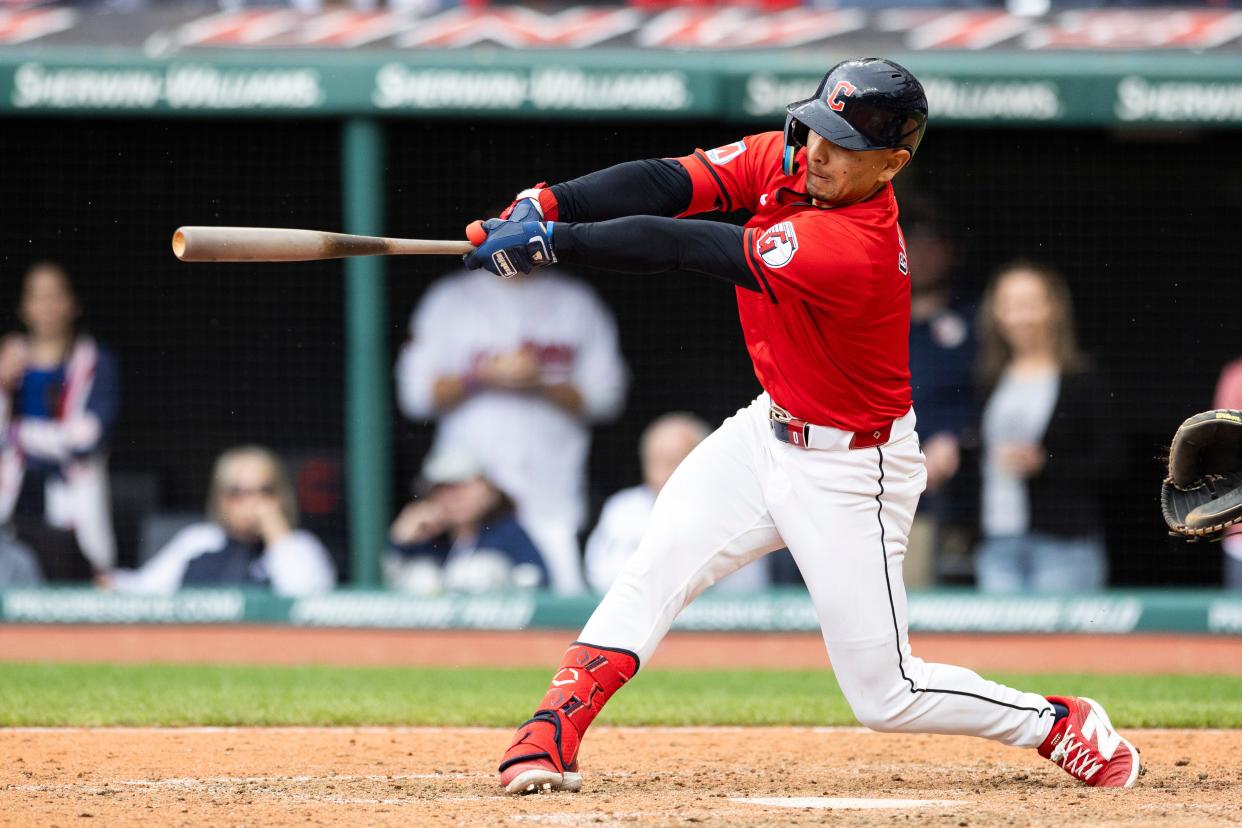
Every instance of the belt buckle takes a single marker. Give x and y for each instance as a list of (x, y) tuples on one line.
[(797, 430)]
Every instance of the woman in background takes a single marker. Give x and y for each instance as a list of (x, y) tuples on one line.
[(250, 540), (1048, 440), (59, 397)]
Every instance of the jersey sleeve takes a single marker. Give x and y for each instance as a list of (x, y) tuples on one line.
[(809, 257), (733, 176)]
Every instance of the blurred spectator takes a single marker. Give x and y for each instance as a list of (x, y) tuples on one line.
[(462, 536), (1048, 440), (942, 355), (250, 540), (59, 396), (623, 521), (1229, 395), (515, 370)]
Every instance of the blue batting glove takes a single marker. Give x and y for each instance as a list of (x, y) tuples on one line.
[(525, 209), (513, 247)]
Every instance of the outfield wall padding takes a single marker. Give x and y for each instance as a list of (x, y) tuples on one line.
[(1182, 611)]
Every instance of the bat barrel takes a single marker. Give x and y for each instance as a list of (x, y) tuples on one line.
[(278, 244), (267, 244)]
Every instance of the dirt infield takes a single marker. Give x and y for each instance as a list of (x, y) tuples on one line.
[(378, 776), (1145, 654)]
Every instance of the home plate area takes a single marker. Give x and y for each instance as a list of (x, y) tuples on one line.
[(632, 776)]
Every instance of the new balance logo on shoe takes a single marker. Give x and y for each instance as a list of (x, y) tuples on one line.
[(1106, 739)]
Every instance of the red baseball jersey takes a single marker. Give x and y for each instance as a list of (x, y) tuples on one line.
[(829, 330)]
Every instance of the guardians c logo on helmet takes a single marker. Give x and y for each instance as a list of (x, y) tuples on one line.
[(863, 104)]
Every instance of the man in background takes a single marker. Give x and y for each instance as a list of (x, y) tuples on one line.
[(515, 371), (667, 441), (942, 354)]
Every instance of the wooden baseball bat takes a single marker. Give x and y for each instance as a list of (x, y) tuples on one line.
[(278, 244)]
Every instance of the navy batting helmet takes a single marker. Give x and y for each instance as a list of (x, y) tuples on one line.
[(863, 104)]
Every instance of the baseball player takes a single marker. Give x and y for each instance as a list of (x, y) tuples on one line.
[(825, 461)]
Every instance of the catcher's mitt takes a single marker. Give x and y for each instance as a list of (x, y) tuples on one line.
[(1202, 494)]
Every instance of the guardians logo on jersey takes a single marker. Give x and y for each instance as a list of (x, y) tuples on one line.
[(777, 245)]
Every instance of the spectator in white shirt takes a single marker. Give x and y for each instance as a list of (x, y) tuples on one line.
[(517, 370), (665, 442), (251, 539)]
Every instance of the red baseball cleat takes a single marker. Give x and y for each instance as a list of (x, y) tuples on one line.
[(544, 753), (1087, 747), (535, 761)]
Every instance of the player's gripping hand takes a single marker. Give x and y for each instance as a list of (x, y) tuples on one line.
[(512, 247), (539, 199)]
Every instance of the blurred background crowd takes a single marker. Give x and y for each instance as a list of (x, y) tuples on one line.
[(1074, 297), (1020, 427)]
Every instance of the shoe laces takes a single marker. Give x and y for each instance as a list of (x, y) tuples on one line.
[(1077, 758)]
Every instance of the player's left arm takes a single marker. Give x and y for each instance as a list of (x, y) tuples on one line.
[(723, 179)]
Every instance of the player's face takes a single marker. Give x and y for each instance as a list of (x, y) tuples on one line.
[(836, 177)]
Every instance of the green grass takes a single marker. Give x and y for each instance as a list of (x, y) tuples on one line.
[(79, 694)]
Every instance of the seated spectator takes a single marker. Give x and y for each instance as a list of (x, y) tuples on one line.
[(1048, 440), (251, 539), (463, 536), (665, 443), (1229, 395), (59, 395)]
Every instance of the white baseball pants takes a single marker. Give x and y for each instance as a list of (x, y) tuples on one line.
[(845, 516)]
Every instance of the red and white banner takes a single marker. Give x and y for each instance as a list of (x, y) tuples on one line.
[(687, 27)]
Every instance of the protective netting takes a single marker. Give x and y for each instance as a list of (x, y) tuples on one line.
[(215, 355), (211, 355)]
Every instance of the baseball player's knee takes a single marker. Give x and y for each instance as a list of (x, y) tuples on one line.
[(879, 696), (874, 714)]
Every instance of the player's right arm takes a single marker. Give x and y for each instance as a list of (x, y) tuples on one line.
[(621, 218)]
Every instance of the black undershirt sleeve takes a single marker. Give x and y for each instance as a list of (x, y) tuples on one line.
[(655, 244), (654, 187)]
